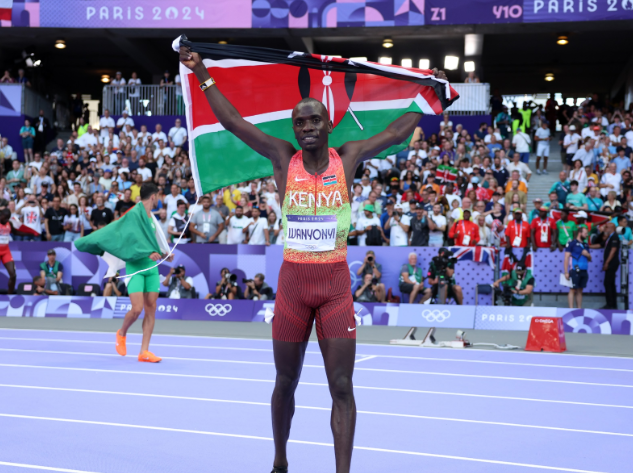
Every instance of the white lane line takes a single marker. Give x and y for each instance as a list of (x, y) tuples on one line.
[(39, 467), (315, 408), (379, 370), (303, 442), (374, 345), (370, 357), (374, 388), (270, 350)]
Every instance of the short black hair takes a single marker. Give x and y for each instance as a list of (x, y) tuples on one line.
[(5, 213), (573, 183), (311, 100), (239, 207), (148, 189)]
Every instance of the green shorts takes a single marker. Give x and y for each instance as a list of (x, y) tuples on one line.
[(147, 281)]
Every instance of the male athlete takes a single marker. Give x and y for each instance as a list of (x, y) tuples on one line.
[(314, 280), (143, 288)]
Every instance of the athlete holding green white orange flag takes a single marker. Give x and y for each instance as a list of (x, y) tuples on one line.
[(314, 282)]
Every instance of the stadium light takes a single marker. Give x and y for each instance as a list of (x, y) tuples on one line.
[(60, 44), (387, 43), (407, 63), (549, 77), (451, 63), (562, 40), (385, 60), (425, 64), (105, 78), (223, 42), (359, 58), (469, 66)]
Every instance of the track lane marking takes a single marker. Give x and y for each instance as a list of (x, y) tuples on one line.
[(302, 442), (315, 408), (374, 388), (39, 467), (379, 370)]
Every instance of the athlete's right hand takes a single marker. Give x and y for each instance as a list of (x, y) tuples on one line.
[(190, 59), (154, 256)]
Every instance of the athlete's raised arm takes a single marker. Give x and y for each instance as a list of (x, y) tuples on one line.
[(266, 145)]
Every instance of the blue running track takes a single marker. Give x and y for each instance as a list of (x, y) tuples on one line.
[(69, 403)]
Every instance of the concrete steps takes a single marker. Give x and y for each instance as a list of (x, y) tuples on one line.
[(540, 185)]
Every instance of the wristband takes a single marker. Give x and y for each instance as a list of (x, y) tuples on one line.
[(206, 84)]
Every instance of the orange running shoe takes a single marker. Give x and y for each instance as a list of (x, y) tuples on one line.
[(120, 344), (148, 357)]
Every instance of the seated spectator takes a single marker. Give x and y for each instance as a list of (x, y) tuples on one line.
[(257, 289), (514, 191), (594, 202), (411, 278), (516, 176), (52, 271), (611, 181), (15, 177), (6, 152), (178, 284), (575, 200), (611, 203)]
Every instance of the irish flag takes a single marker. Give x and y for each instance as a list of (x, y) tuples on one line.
[(362, 99)]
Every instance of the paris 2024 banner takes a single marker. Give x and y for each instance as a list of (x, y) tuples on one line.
[(302, 14)]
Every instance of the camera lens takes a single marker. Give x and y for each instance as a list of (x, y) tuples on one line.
[(370, 258)]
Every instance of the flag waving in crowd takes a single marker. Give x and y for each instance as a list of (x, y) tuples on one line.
[(362, 99)]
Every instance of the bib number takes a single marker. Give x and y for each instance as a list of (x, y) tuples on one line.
[(4, 239), (311, 232)]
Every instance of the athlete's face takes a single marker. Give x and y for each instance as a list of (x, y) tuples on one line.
[(311, 125)]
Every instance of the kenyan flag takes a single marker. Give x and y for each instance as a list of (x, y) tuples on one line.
[(446, 173), (362, 98)]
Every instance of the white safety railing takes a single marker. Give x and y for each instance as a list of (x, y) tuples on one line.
[(144, 99), (473, 99)]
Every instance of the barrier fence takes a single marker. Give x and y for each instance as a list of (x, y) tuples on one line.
[(605, 322)]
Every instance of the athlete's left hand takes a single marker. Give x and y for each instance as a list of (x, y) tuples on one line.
[(154, 256), (439, 74), (170, 258)]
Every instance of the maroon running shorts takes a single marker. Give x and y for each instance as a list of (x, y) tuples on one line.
[(309, 291)]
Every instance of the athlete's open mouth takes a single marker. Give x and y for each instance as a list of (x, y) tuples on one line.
[(309, 139)]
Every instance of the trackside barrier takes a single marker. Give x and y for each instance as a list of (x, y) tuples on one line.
[(465, 317)]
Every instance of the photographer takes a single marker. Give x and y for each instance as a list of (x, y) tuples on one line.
[(578, 252), (441, 273), (257, 289), (373, 268), (114, 287), (179, 286), (227, 287), (366, 292), (518, 286)]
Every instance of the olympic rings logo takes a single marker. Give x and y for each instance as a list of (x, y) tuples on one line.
[(436, 315), (218, 309)]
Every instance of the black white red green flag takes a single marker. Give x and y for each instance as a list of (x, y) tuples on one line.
[(362, 98)]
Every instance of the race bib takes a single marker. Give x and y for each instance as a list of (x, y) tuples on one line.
[(206, 227), (516, 242), (4, 239), (466, 240), (311, 232)]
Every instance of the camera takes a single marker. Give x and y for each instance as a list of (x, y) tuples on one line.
[(374, 281), (245, 281), (442, 261), (504, 295), (370, 259), (620, 230), (231, 278)]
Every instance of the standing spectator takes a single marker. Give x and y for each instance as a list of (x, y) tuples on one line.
[(273, 227), (158, 135), (517, 165), (100, 215), (190, 195), (178, 134), (180, 106), (594, 202), (610, 181), (419, 226), (236, 225), (207, 224), (73, 224), (542, 137), (579, 175), (437, 226), (257, 229), (561, 187), (565, 229), (517, 231), (6, 154), (570, 144), (27, 132), (575, 200), (464, 232), (54, 221), (106, 124), (521, 142), (22, 79), (575, 266), (42, 127), (178, 228), (164, 82), (543, 231), (485, 235), (500, 173), (172, 200), (118, 92), (135, 94), (124, 204), (368, 228), (399, 225), (32, 217), (163, 222)]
